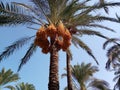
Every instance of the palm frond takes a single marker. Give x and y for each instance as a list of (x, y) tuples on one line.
[(28, 55), (25, 86), (112, 40), (7, 77), (83, 72), (103, 18), (33, 11), (117, 85), (113, 56), (13, 14), (42, 7), (76, 41), (98, 6), (116, 77), (10, 87), (41, 4), (91, 32), (15, 46), (100, 26), (110, 4), (99, 84), (70, 10)]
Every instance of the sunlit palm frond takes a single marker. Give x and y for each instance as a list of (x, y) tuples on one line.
[(11, 14), (83, 72), (70, 9), (28, 55), (76, 41), (22, 86), (7, 77), (15, 46)]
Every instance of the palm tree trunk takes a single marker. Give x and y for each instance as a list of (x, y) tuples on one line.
[(69, 77), (53, 75)]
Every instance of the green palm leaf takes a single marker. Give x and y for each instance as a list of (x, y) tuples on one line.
[(83, 72), (21, 86), (15, 46), (7, 77)]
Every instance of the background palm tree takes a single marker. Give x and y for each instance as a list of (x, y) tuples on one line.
[(82, 73), (22, 86), (7, 77), (83, 78), (113, 55), (46, 13)]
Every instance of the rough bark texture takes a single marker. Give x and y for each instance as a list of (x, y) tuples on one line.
[(69, 76), (53, 75)]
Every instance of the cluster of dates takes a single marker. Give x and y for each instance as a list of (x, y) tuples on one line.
[(60, 33)]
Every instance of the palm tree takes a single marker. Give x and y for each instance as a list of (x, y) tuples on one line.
[(58, 23), (7, 77), (22, 86), (83, 78), (82, 73), (113, 55)]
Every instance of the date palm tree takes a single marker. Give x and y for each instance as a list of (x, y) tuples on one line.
[(58, 21), (7, 77)]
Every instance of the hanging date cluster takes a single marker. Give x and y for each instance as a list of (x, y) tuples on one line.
[(59, 32)]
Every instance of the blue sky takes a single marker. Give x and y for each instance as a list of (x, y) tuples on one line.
[(36, 71)]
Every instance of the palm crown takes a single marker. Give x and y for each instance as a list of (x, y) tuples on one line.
[(46, 12)]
